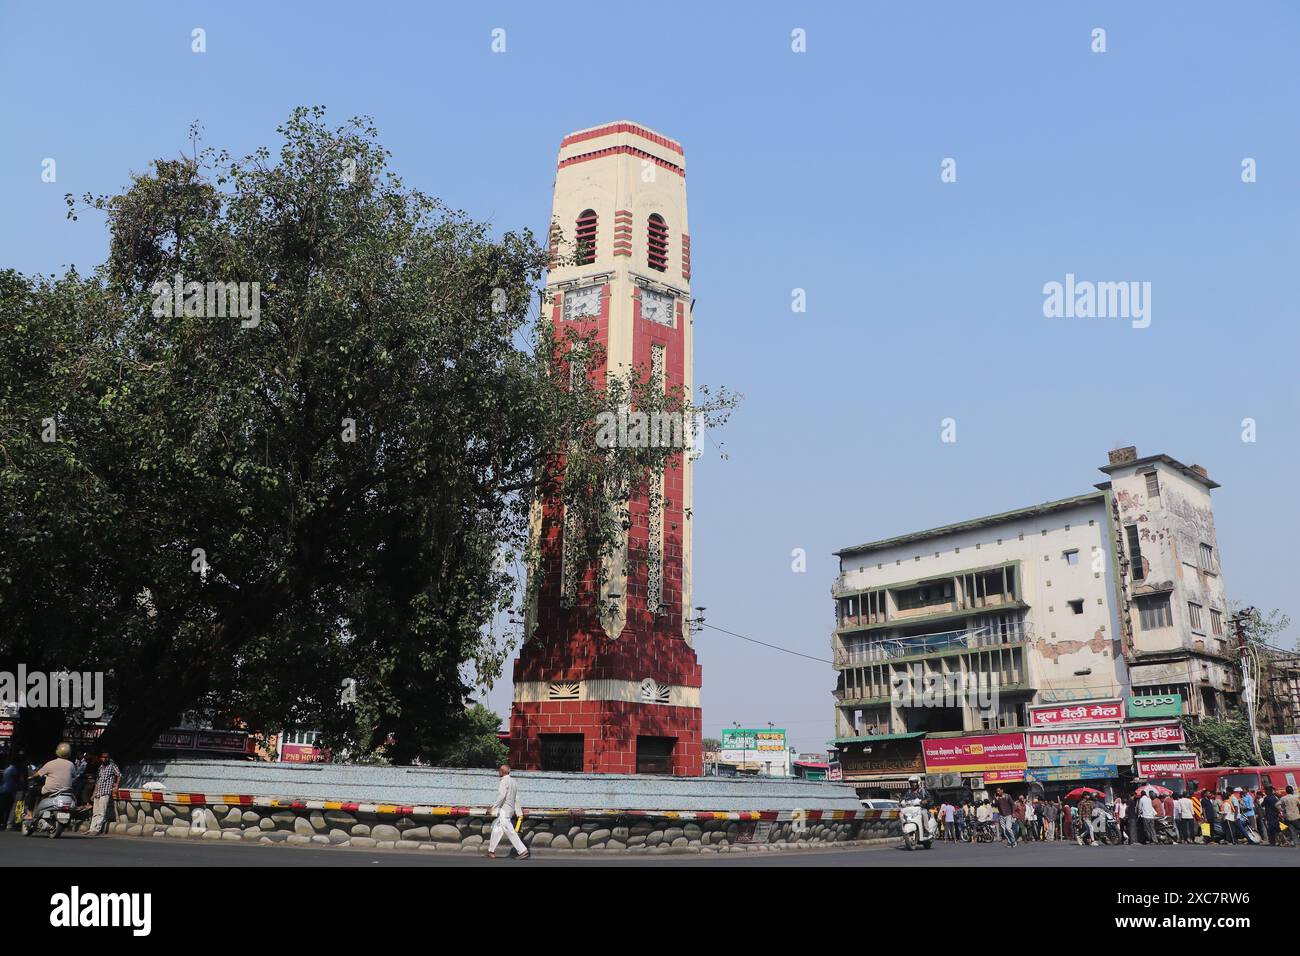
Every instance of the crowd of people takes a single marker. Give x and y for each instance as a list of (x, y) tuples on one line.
[(91, 777), (1149, 816)]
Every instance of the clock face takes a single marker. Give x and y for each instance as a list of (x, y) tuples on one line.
[(582, 303), (657, 307)]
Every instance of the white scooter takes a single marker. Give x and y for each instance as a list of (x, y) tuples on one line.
[(918, 826), (53, 813)]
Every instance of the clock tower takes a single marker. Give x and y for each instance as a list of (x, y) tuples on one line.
[(607, 680)]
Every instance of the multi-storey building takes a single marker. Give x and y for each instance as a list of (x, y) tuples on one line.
[(1107, 593), (1170, 589), (607, 679)]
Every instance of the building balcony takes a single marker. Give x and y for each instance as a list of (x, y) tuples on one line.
[(940, 643), (851, 624)]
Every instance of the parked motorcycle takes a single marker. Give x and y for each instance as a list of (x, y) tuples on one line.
[(1165, 831), (1111, 833)]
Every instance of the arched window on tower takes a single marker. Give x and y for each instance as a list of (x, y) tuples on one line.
[(586, 237), (657, 247)]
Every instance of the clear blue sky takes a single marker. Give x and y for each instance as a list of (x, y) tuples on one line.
[(818, 171)]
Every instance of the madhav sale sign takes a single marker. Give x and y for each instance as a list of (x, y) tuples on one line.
[(1097, 738)]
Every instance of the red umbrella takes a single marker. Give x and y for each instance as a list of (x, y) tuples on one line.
[(1160, 791), (1078, 793)]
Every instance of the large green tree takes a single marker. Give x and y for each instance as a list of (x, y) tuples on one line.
[(307, 514)]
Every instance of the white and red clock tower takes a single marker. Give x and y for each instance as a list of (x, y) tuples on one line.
[(607, 680)]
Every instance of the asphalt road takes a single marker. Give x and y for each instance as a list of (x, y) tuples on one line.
[(116, 851)]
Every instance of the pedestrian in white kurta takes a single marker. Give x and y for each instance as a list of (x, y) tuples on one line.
[(505, 809)]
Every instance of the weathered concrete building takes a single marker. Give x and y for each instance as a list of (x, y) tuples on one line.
[(1171, 592), (1107, 593)]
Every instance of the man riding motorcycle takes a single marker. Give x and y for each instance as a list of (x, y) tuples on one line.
[(56, 774), (57, 777), (919, 827)]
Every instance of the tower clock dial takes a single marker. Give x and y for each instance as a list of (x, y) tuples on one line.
[(657, 307), (582, 303)]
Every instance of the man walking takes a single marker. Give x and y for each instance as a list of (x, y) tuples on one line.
[(1290, 807), (1087, 833), (1147, 811), (505, 809), (1210, 809), (1246, 813), (1270, 813), (107, 781), (1007, 816), (1186, 819), (1229, 808)]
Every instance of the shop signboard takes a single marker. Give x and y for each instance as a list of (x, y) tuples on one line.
[(1093, 738), (975, 754), (1286, 748), (1160, 765), (1003, 776), (1115, 756), (1155, 705), (1108, 711), (1154, 735), (1055, 774)]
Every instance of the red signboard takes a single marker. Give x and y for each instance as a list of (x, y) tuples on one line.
[(1162, 766), (1096, 738), (302, 753), (985, 752), (1107, 711), (1004, 776), (6, 729), (1154, 735)]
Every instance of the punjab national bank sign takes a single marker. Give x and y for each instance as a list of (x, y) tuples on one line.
[(1109, 711), (975, 754)]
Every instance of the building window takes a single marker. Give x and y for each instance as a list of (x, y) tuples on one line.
[(1077, 606), (1071, 557), (1216, 622), (1134, 552), (1153, 484), (1207, 558), (1153, 611), (562, 752), (1194, 610), (929, 595), (586, 237), (657, 249), (654, 754)]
